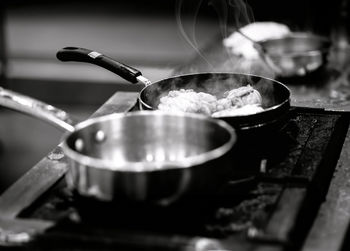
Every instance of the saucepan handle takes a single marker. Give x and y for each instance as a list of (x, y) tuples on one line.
[(78, 54), (36, 108)]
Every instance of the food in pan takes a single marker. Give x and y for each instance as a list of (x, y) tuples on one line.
[(188, 101), (240, 101), (234, 111)]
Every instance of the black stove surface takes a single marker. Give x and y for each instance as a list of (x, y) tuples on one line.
[(271, 200)]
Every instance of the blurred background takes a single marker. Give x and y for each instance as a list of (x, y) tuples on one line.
[(153, 36)]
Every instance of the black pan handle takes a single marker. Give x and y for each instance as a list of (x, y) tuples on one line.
[(93, 57)]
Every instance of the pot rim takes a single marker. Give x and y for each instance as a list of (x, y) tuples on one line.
[(153, 166)]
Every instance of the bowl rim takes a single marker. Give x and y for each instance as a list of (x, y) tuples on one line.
[(325, 44)]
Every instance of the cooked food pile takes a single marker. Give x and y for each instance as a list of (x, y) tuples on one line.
[(258, 31), (241, 101)]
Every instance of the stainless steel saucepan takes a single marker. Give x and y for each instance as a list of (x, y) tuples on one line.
[(275, 95), (144, 156)]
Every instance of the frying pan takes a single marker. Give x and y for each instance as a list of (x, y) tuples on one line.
[(144, 156), (275, 95)]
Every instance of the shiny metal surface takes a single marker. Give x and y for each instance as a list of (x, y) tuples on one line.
[(297, 54), (145, 156), (36, 108), (148, 156)]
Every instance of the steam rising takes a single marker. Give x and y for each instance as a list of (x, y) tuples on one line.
[(215, 84), (191, 40), (232, 14)]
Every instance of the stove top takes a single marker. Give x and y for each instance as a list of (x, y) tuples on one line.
[(270, 202)]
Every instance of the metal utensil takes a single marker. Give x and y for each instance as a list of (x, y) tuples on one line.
[(145, 156)]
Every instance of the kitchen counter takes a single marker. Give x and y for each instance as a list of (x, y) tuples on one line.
[(326, 95)]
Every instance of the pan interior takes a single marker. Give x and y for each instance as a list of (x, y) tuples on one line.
[(273, 93), (149, 139)]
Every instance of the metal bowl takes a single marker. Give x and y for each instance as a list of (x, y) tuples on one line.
[(298, 53)]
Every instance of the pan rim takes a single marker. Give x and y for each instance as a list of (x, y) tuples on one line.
[(287, 100), (142, 166)]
